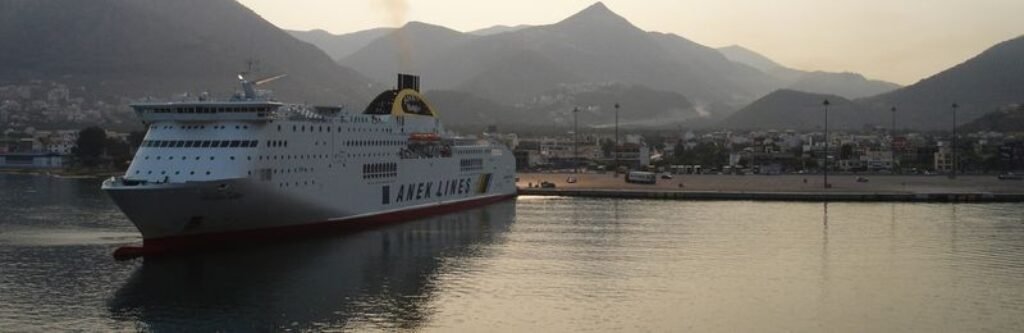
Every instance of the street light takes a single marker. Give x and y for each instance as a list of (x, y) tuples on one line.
[(952, 173), (615, 149), (575, 140), (892, 140), (826, 104)]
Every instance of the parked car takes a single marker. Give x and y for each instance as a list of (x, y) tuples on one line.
[(666, 175), (547, 184), (571, 180), (862, 180)]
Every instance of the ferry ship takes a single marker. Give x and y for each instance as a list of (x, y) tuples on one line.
[(252, 168)]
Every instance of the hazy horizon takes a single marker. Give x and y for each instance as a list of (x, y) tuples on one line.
[(901, 42)]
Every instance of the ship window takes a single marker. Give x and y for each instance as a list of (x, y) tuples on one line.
[(164, 144), (215, 144), (206, 144), (235, 143), (188, 144), (278, 128)]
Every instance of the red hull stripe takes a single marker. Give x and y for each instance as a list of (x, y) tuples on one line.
[(158, 246)]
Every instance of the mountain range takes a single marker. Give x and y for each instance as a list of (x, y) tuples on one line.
[(985, 83), (515, 66), (340, 46), (847, 85), (1009, 119), (137, 48), (791, 109), (592, 46), (531, 75)]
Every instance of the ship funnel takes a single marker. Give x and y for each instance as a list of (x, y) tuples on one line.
[(407, 81)]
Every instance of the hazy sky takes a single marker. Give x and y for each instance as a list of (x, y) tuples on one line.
[(897, 40)]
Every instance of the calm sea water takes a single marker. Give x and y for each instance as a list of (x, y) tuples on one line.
[(534, 264)]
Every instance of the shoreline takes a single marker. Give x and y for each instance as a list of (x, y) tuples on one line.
[(777, 196), (809, 188)]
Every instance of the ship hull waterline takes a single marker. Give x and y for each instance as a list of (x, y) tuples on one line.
[(237, 238)]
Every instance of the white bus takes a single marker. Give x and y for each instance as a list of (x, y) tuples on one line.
[(641, 177)]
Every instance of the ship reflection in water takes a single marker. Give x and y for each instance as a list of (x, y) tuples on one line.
[(381, 278)]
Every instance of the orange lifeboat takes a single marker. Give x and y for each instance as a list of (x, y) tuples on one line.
[(424, 137)]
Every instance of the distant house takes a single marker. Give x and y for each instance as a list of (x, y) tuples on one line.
[(943, 158)]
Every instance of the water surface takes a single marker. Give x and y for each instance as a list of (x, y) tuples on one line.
[(533, 264)]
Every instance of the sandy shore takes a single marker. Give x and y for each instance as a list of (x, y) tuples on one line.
[(785, 183)]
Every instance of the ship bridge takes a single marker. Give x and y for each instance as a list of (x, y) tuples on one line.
[(206, 111)]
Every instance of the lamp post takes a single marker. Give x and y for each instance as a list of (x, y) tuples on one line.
[(826, 104), (575, 140), (956, 162), (892, 140), (615, 149)]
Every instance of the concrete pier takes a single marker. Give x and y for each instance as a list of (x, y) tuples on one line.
[(782, 188)]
